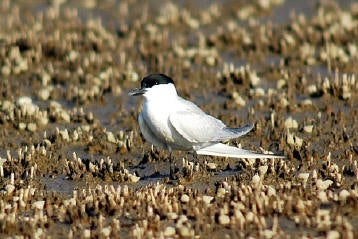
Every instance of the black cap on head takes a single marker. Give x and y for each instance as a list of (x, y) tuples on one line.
[(155, 79)]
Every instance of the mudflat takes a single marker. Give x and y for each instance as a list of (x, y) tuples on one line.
[(73, 163)]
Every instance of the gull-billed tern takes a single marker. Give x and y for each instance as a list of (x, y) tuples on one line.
[(173, 123)]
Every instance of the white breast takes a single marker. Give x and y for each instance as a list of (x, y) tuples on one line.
[(160, 102), (156, 117)]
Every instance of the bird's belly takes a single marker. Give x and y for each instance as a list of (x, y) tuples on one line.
[(163, 132)]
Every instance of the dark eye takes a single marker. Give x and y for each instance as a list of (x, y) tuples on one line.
[(155, 79), (149, 83)]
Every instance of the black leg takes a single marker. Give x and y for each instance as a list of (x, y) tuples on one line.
[(195, 156), (171, 175), (197, 163)]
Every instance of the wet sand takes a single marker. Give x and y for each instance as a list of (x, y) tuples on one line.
[(73, 163)]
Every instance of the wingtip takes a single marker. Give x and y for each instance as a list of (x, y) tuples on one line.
[(250, 126), (241, 130)]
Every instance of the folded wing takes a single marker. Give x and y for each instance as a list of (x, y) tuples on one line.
[(198, 127)]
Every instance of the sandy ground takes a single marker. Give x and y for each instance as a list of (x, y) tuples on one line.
[(73, 163)]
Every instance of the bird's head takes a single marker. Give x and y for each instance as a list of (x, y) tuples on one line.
[(155, 86)]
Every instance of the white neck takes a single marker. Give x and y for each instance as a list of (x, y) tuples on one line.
[(162, 92)]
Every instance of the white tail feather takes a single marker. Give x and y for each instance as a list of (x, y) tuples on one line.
[(224, 150)]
